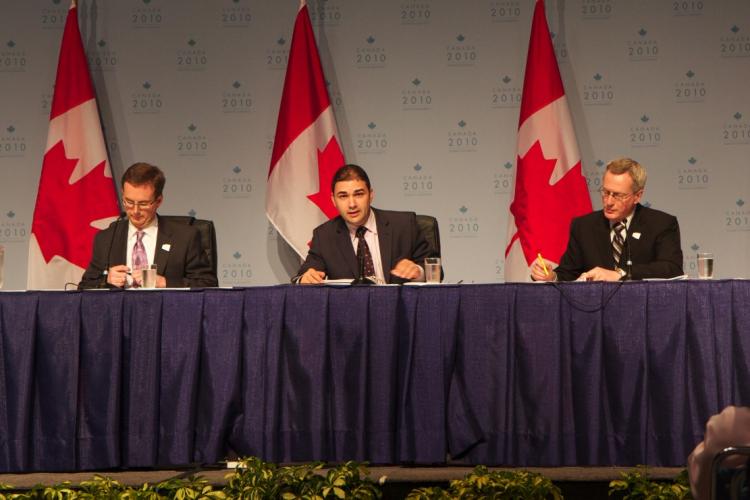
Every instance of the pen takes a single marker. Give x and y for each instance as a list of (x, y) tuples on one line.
[(541, 261)]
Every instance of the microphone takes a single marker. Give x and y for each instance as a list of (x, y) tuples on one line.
[(105, 272), (629, 261), (362, 280)]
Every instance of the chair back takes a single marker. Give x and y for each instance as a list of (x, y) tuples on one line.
[(729, 483), (208, 236), (429, 227)]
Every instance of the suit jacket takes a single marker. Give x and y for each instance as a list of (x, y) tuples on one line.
[(183, 265), (399, 238), (652, 243)]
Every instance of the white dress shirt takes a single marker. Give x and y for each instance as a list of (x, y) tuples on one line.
[(371, 237), (149, 241)]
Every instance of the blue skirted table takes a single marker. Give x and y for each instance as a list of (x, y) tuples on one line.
[(514, 374)]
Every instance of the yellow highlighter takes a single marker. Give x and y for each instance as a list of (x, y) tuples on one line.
[(541, 261)]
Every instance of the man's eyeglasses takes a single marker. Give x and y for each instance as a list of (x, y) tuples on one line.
[(615, 196), (140, 204)]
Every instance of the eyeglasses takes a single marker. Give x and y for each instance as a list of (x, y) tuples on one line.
[(140, 204), (615, 196)]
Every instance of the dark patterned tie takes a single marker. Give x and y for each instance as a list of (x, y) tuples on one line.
[(140, 259), (618, 242), (363, 251)]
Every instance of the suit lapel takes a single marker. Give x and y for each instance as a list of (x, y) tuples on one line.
[(605, 243), (385, 241), (163, 244), (635, 227), (120, 244), (344, 245)]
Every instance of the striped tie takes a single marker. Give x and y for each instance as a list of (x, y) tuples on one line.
[(618, 242)]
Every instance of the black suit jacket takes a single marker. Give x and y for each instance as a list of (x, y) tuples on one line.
[(399, 238), (653, 245), (183, 265)]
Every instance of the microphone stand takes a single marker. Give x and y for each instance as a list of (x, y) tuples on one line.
[(362, 280), (105, 272), (629, 261)]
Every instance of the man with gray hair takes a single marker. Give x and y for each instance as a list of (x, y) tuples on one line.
[(623, 240)]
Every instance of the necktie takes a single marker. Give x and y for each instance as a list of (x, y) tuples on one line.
[(140, 259), (618, 242), (363, 251)]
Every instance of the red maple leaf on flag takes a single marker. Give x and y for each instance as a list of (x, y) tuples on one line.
[(64, 212), (544, 226), (329, 160)]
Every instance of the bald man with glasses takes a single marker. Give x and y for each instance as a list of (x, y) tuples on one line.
[(146, 239), (623, 240)]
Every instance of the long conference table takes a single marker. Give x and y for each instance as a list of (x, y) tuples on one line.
[(511, 374)]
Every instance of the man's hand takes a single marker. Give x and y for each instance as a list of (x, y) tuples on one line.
[(118, 275), (312, 276), (600, 274), (538, 272), (407, 270), (161, 281)]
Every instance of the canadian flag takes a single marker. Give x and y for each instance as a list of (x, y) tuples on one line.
[(549, 188), (306, 150), (76, 194)]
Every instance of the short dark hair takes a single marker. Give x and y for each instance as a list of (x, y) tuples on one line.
[(350, 172), (141, 173)]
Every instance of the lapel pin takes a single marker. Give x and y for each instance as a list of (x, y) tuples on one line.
[(167, 246), (637, 236)]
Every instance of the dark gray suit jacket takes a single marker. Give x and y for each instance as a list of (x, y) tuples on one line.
[(399, 238), (655, 253), (183, 265)]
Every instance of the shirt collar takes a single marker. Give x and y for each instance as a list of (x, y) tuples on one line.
[(150, 230), (627, 221)]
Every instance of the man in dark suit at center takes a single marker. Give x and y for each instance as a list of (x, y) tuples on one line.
[(395, 245), (623, 240)]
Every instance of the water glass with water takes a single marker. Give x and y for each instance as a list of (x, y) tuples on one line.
[(432, 269), (705, 265)]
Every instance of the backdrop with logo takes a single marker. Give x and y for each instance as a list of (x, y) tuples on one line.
[(426, 95)]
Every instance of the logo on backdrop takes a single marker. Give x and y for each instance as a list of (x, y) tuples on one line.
[(460, 52), (146, 100), (688, 8), (506, 93), (271, 233), (103, 57), (463, 224), (736, 130), (53, 15), (505, 11), (12, 229), (416, 96), (372, 141), (690, 88), (192, 142), (326, 13), (237, 99), (645, 134), (690, 260), (334, 94), (735, 44), (236, 270), (236, 184), (415, 12), (737, 218), (370, 54), (236, 15), (418, 182), (499, 270), (12, 58), (597, 9), (146, 15), (463, 139), (502, 180), (277, 56), (46, 101), (642, 47), (598, 91), (561, 48), (12, 143), (593, 172), (191, 57), (693, 175)]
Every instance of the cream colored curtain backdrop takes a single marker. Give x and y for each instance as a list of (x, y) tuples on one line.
[(426, 95)]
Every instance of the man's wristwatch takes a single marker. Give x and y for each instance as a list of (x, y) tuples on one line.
[(622, 272)]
